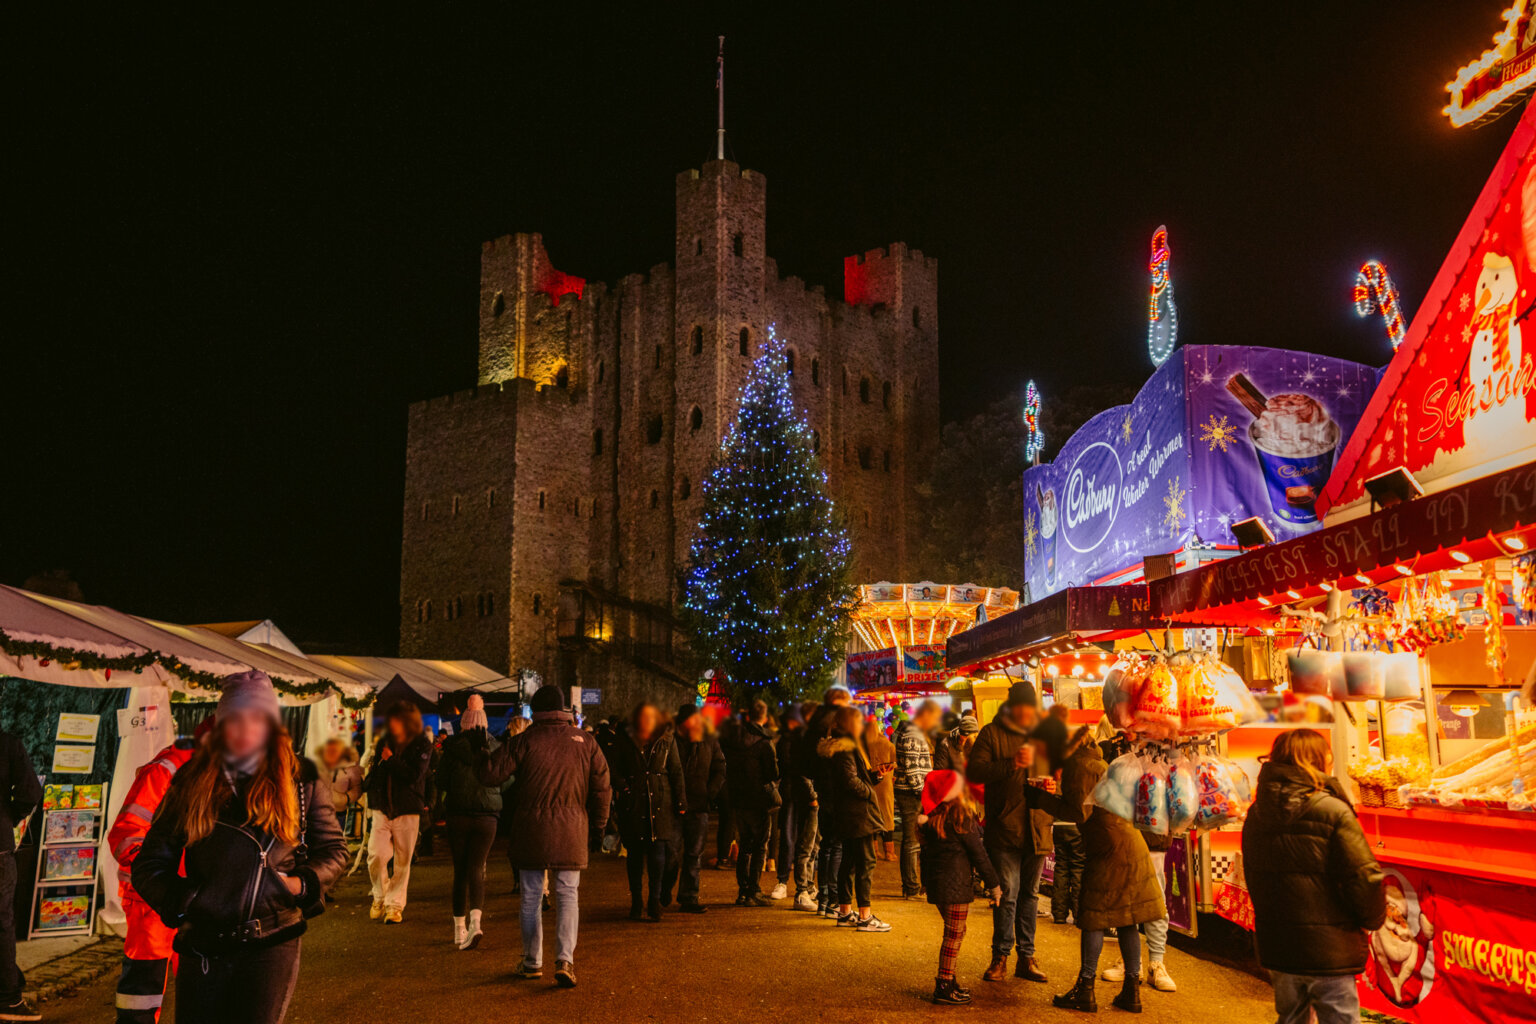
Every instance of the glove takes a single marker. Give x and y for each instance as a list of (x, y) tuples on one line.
[(995, 895)]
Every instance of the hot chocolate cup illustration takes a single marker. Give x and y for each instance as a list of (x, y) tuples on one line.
[(1295, 441)]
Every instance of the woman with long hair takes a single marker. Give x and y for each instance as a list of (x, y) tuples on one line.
[(849, 814), (648, 775), (473, 808), (399, 807), (1316, 887), (239, 856)]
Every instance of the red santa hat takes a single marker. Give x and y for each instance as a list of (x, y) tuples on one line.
[(939, 787)]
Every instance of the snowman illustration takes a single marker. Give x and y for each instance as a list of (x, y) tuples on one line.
[(1047, 502), (1497, 414)]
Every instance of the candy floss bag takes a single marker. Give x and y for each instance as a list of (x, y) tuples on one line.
[(1157, 705), (1152, 797), (1218, 795), (1116, 791), (1120, 688), (1203, 708), (1183, 795)]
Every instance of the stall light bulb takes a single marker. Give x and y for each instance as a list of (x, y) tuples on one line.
[(1362, 579), (1293, 595), (1264, 601), (1327, 587), (1077, 671), (1461, 556), (1403, 569), (1078, 655), (1514, 543)]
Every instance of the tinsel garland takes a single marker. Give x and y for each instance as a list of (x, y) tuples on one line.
[(74, 659)]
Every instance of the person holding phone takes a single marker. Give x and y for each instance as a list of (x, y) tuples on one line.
[(851, 817)]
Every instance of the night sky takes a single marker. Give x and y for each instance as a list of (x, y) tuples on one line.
[(240, 248)]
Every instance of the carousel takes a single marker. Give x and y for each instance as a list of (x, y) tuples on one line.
[(901, 630)]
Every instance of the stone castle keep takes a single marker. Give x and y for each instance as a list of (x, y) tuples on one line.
[(549, 509)]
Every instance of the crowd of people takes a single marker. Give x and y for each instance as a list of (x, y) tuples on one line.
[(229, 842)]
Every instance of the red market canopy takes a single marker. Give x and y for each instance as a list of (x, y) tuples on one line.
[(1076, 613), (1487, 518)]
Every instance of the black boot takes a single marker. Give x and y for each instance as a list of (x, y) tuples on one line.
[(1129, 998), (653, 908), (1079, 998), (947, 992), (636, 909)]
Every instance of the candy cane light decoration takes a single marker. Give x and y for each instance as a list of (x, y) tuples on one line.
[(1036, 440), (1162, 315), (1375, 291)]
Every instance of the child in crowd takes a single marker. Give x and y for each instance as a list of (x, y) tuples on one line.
[(951, 849)]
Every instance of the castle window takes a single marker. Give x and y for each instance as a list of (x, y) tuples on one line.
[(815, 371), (541, 501), (653, 430), (480, 605), (428, 610), (887, 460), (866, 457), (426, 511), (421, 611), (576, 506), (455, 504), (490, 498), (698, 340), (917, 317), (746, 341), (458, 608), (789, 361), (845, 380), (885, 395), (815, 440), (597, 441), (490, 604), (866, 517), (698, 247), (498, 305), (601, 366), (864, 390), (655, 499), (696, 419), (658, 357), (685, 488), (538, 604), (738, 246), (563, 377), (592, 509)]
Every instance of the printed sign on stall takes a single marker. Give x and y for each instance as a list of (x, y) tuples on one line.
[(1217, 435)]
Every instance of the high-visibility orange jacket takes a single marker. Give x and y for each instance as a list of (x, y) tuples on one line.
[(150, 785)]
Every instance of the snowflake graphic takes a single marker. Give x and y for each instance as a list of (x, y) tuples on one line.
[(1309, 377), (1344, 391), (1031, 533), (1125, 427), (1466, 333), (1466, 300), (1174, 503), (1218, 432)]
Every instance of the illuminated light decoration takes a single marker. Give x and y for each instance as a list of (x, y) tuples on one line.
[(1266, 602), (1461, 556), (1363, 578), (1514, 543), (1293, 595), (1162, 314), (1500, 76), (1326, 587), (1375, 291), (1403, 569), (1036, 439)]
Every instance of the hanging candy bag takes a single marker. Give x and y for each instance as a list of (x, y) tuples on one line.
[(1183, 796), (1120, 687), (1157, 705), (1235, 694), (1116, 791), (1218, 797), (1152, 797), (1203, 707)]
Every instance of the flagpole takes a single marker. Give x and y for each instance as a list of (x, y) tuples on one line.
[(720, 99)]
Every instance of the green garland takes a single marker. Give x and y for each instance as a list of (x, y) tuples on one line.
[(72, 658)]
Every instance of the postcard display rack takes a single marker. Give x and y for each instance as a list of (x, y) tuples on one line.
[(64, 898)]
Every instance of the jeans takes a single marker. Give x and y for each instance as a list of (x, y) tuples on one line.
[(531, 917), (751, 842), (857, 872), (1298, 996), (1069, 871), (469, 840), (1013, 919), (244, 986), (684, 867), (805, 846), (646, 857), (391, 838), (1092, 945), (788, 836), (909, 805), (11, 982), (829, 863)]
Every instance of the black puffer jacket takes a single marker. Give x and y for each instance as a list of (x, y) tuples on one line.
[(948, 861), (233, 894), (848, 809), (457, 779), (1316, 888), (649, 786), (399, 785), (703, 770), (812, 766), (751, 765)]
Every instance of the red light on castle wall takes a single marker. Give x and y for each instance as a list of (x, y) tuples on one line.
[(557, 283)]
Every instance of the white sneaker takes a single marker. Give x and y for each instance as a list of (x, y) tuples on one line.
[(376, 911), (459, 932), (779, 892), (1116, 972), (472, 932), (872, 924), (805, 901), (1160, 979)]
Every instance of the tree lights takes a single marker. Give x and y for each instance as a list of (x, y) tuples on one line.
[(1162, 314), (766, 594), (1036, 439), (1375, 291)]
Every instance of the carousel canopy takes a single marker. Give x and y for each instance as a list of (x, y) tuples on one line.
[(915, 614)]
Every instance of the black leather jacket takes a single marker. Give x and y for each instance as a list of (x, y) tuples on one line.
[(233, 894)]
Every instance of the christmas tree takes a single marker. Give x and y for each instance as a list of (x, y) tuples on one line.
[(766, 595)]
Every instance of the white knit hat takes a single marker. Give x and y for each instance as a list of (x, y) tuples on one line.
[(474, 714)]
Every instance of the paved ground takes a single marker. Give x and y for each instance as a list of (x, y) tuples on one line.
[(730, 965)]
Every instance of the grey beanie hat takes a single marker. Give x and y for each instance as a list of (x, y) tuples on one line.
[(248, 691)]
